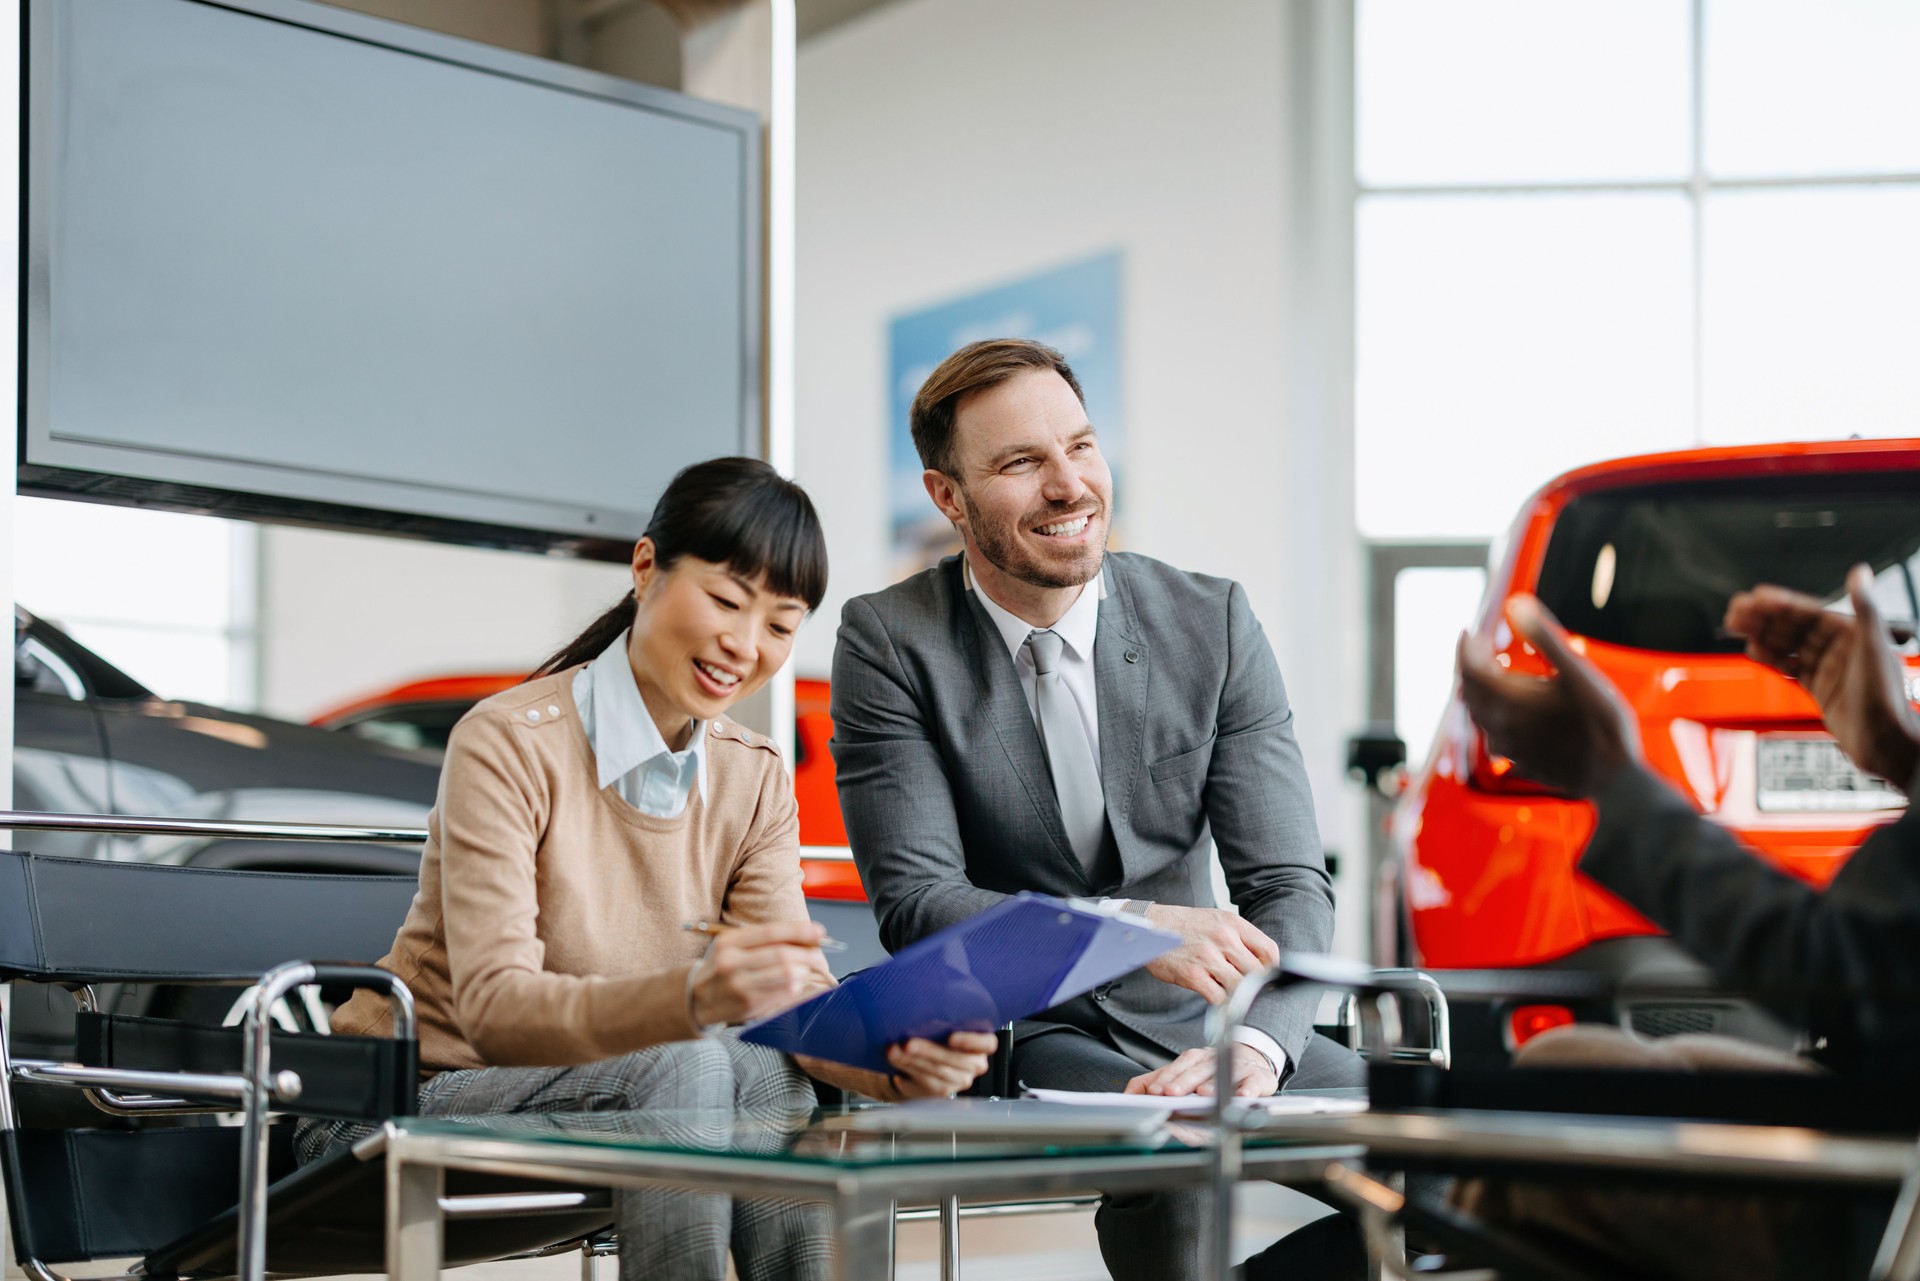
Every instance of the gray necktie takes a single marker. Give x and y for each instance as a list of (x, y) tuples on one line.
[(1076, 775)]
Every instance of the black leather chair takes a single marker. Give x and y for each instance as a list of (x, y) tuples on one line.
[(143, 1184)]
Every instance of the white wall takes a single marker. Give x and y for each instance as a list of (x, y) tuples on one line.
[(945, 145), (519, 25), (344, 614)]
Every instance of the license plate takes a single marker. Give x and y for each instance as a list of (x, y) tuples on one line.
[(1813, 774)]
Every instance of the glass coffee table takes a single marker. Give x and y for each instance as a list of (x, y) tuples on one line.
[(862, 1164)]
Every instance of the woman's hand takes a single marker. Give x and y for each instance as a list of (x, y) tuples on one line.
[(924, 1069), (755, 969)]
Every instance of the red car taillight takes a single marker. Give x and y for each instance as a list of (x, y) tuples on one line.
[(1529, 1021)]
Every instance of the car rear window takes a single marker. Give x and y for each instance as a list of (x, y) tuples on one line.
[(415, 726), (1653, 567)]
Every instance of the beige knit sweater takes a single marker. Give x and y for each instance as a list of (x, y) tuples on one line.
[(546, 929)]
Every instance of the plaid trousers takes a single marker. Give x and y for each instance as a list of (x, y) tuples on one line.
[(747, 1096)]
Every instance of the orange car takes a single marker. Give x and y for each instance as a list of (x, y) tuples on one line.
[(1638, 558), (422, 713)]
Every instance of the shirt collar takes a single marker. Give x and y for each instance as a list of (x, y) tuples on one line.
[(1076, 627), (625, 736)]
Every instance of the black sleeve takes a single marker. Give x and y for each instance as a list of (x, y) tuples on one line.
[(1803, 952)]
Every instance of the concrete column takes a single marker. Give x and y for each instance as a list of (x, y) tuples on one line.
[(1325, 637)]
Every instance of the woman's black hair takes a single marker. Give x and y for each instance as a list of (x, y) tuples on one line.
[(737, 512)]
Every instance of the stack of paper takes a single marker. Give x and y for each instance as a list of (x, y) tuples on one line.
[(1193, 1104)]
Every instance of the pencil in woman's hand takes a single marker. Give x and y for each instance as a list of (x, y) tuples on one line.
[(711, 929)]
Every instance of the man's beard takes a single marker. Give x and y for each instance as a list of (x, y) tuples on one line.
[(999, 542)]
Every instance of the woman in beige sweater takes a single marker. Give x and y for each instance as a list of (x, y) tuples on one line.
[(582, 817)]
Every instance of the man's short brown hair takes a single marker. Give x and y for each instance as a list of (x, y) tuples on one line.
[(975, 367)]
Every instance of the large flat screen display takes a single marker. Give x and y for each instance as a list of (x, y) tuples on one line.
[(289, 262)]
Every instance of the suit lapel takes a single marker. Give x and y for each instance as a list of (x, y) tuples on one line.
[(1120, 681), (1005, 706)]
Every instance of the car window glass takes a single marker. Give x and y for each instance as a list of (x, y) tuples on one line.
[(1896, 591), (392, 734), (41, 671), (1653, 567), (421, 725)]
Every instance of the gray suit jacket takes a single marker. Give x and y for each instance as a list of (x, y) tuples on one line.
[(949, 806)]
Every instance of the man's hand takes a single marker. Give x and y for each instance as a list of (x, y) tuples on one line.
[(1846, 663), (1216, 949), (1571, 731), (1192, 1073), (924, 1069), (756, 969)]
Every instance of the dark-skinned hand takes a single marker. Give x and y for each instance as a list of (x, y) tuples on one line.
[(1571, 731), (1847, 664)]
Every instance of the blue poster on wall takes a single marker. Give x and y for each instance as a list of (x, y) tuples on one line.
[(1074, 309)]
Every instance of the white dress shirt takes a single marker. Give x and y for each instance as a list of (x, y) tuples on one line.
[(628, 750), (1076, 627)]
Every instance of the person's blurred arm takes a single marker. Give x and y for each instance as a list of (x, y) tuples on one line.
[(1754, 925), (1795, 947)]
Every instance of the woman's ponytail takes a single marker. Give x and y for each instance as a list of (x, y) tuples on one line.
[(589, 644)]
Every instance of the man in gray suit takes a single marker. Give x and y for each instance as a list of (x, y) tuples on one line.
[(1041, 714)]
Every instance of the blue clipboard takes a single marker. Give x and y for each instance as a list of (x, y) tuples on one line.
[(1014, 959)]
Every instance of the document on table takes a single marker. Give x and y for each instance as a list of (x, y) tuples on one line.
[(1014, 959), (1191, 1104)]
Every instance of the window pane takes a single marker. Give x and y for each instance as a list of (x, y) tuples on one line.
[(85, 560), (1502, 340), (1812, 86), (190, 666), (1431, 607), (1472, 91), (1810, 325)]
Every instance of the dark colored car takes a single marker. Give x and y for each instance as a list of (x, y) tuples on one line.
[(89, 739)]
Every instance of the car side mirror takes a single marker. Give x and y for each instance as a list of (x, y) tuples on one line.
[(1377, 757)]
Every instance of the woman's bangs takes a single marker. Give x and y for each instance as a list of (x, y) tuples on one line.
[(777, 535)]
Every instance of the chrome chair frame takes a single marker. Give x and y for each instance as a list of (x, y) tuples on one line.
[(1372, 994), (256, 1086)]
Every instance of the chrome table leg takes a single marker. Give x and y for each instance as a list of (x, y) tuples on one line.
[(413, 1220)]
